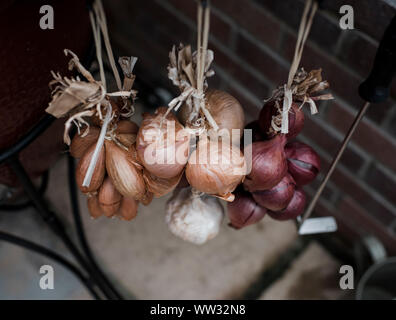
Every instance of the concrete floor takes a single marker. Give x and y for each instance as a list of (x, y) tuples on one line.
[(147, 262)]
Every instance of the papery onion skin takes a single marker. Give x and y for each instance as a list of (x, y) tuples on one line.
[(303, 162), (160, 186), (269, 164), (121, 168), (226, 111), (126, 126), (128, 209), (98, 173), (257, 134), (109, 198), (278, 197), (81, 144), (295, 207), (164, 157), (244, 211), (296, 119), (94, 207), (219, 178)]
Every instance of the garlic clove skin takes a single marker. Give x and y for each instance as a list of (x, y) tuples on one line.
[(162, 144), (80, 144), (109, 198), (192, 218), (98, 173), (122, 170), (128, 209), (216, 167)]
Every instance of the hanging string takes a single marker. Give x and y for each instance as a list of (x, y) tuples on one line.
[(303, 32), (99, 23), (99, 27), (202, 47)]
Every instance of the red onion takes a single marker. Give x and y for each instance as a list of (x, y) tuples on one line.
[(269, 163), (278, 197), (244, 211), (296, 119), (303, 162), (257, 135), (294, 209)]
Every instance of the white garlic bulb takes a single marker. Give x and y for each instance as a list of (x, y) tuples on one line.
[(194, 218)]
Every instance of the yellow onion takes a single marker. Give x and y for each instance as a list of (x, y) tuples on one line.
[(93, 206), (109, 198), (98, 173), (216, 167), (80, 144), (162, 149), (128, 208), (126, 126), (122, 169), (225, 110), (160, 186)]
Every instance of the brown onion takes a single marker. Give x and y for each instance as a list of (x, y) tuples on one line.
[(278, 197), (303, 162), (225, 110), (269, 164), (109, 198), (80, 144), (296, 119), (124, 171), (93, 206), (128, 208), (162, 154), (160, 186), (98, 173), (295, 207), (244, 211), (126, 126), (216, 167)]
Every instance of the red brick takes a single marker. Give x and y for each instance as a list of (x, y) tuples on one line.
[(261, 61), (356, 213), (315, 132), (382, 182), (342, 82), (364, 196), (324, 31), (218, 27), (236, 70), (251, 110), (358, 53), (371, 17), (252, 18), (367, 136)]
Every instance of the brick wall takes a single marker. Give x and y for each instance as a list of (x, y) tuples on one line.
[(254, 41)]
